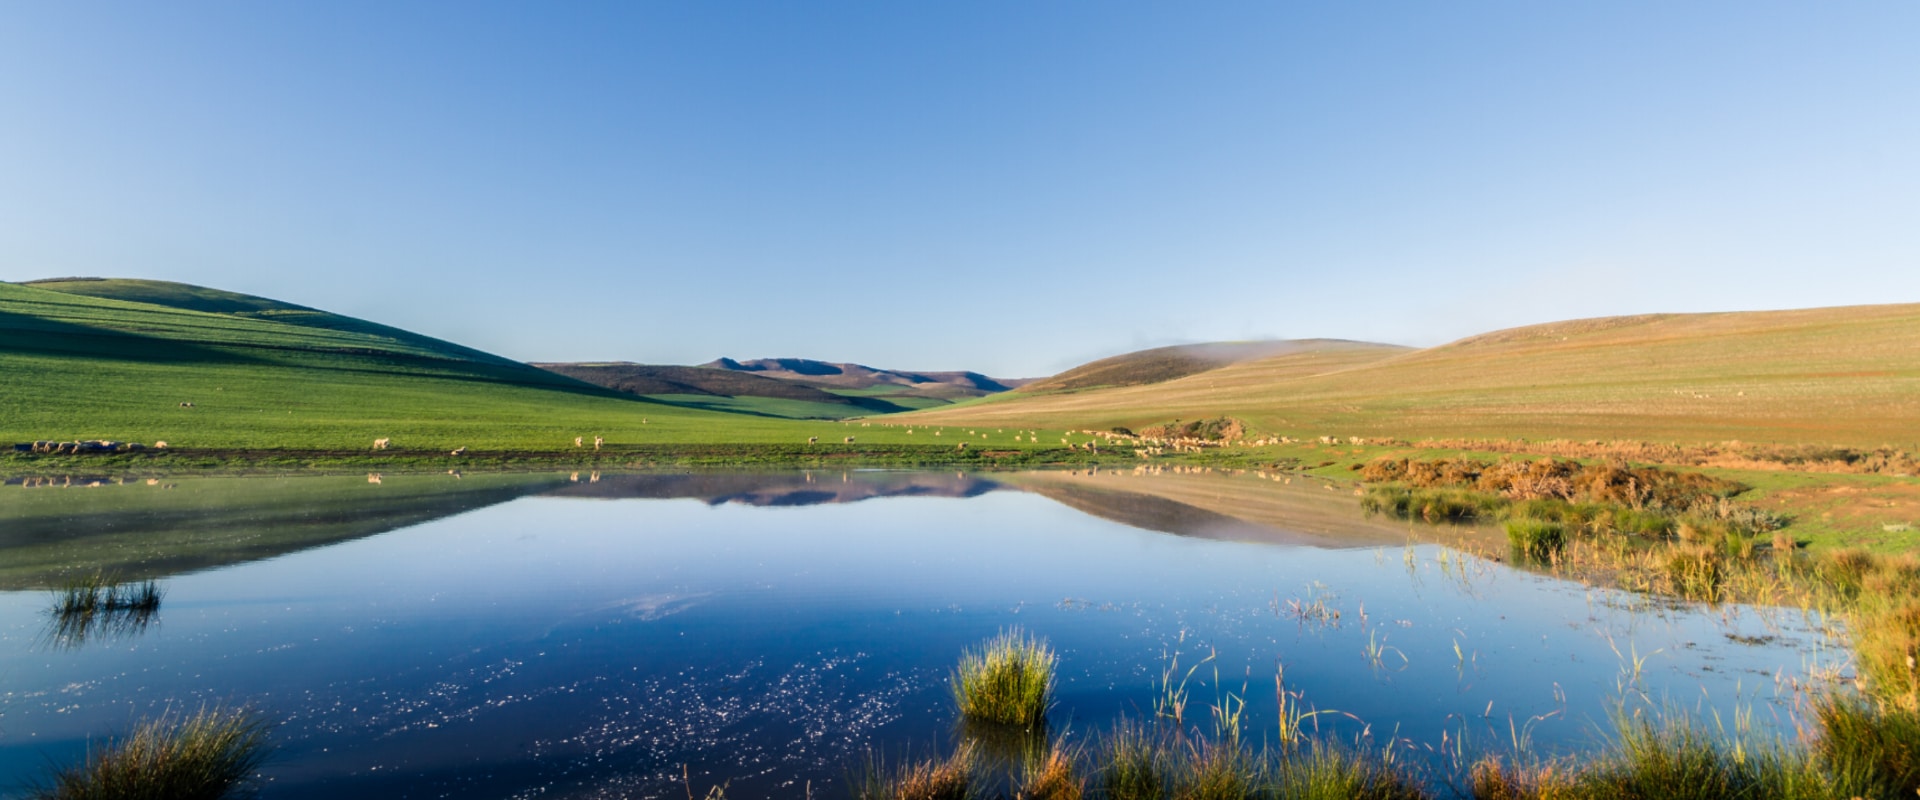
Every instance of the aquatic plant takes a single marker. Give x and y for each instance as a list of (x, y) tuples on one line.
[(208, 755), (1536, 539), (95, 605), (1007, 680), (1132, 764), (1053, 775), (950, 778)]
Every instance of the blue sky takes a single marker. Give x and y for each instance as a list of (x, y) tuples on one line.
[(1007, 187)]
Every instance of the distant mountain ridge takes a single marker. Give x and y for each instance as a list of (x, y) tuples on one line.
[(797, 387), (843, 375)]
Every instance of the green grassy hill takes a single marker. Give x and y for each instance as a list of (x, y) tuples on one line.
[(114, 359), (1846, 376), (267, 375)]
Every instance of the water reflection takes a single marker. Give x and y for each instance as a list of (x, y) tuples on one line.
[(521, 636), (95, 608)]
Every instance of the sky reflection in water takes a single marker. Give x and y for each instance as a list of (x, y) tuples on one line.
[(570, 646)]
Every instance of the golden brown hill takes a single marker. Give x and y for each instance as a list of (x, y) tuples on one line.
[(1848, 376), (1163, 364)]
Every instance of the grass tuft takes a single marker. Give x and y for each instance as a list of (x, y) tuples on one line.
[(1872, 751), (1008, 680), (1537, 539), (209, 755), (951, 778), (1133, 765)]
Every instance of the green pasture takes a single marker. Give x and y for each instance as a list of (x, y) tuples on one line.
[(81, 367)]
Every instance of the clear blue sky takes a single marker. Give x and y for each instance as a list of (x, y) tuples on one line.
[(1007, 187)]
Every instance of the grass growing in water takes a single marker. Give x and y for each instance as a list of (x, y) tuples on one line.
[(1008, 680), (94, 605), (1538, 539), (210, 755), (951, 778)]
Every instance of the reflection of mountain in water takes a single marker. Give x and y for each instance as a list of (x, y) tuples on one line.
[(1249, 507), (782, 489), (135, 531)]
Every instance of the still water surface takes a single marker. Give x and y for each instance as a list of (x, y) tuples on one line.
[(543, 637)]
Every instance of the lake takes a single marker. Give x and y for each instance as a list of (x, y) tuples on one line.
[(585, 635)]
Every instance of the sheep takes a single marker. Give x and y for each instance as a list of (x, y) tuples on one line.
[(153, 481), (381, 444), (160, 445), (373, 477), (186, 405), (849, 440), (458, 451), (812, 439), (579, 441), (963, 445), (597, 441)]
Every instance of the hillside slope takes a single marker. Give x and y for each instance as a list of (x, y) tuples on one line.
[(188, 297), (82, 366), (1846, 376), (1163, 364)]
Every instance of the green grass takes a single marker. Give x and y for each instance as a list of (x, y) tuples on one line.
[(1008, 680), (267, 377), (208, 755), (1536, 539)]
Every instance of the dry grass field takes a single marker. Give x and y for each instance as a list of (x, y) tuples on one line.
[(1831, 376)]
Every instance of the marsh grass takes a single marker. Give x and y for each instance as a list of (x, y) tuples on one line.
[(1870, 750), (94, 606), (209, 755), (950, 778), (1132, 764), (1540, 540), (1008, 680), (1054, 775)]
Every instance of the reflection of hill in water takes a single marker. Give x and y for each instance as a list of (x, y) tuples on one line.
[(780, 489), (135, 531), (1231, 506)]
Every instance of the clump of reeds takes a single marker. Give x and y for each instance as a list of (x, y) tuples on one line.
[(1492, 779), (94, 605), (1886, 644), (1008, 680), (1537, 539), (1053, 775), (1330, 771), (1132, 765), (208, 755), (950, 778), (1431, 505), (1694, 571), (95, 593), (1870, 750)]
